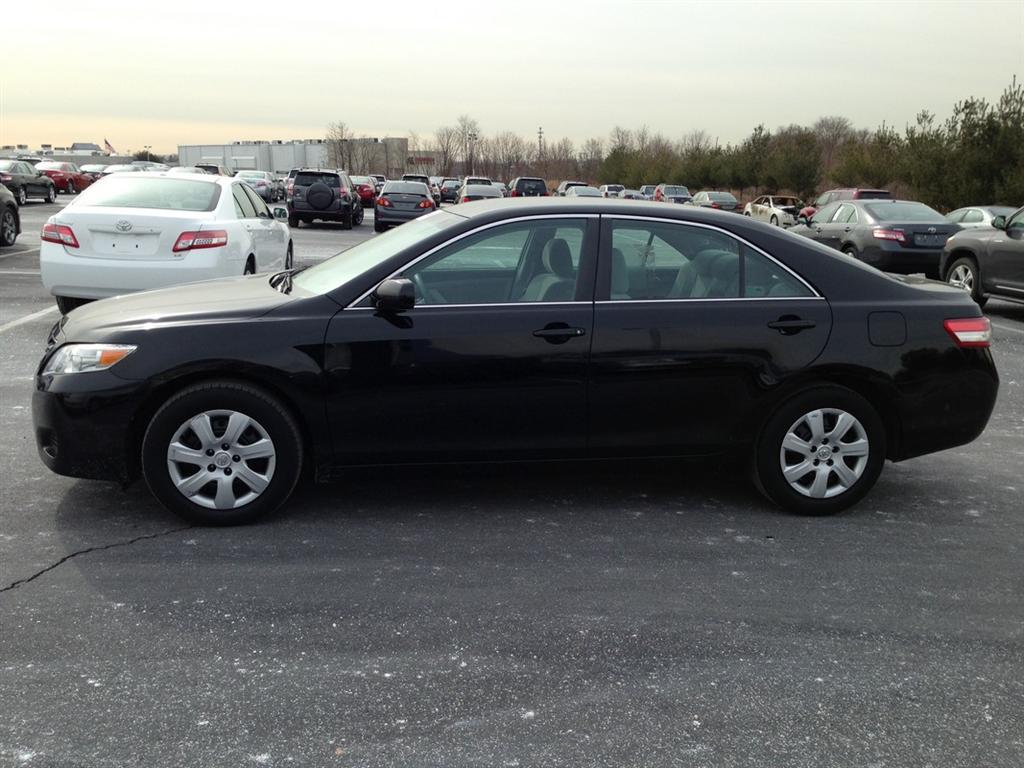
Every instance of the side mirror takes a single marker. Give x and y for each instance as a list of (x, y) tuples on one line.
[(999, 222), (395, 295), (280, 213)]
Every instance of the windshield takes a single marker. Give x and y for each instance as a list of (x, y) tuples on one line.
[(677, 191), (162, 193), (50, 166), (251, 175), (346, 266), (904, 212)]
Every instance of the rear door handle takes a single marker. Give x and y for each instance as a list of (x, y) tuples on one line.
[(788, 325), (558, 333)]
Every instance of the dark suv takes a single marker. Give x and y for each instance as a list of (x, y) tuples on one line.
[(528, 186), (318, 193)]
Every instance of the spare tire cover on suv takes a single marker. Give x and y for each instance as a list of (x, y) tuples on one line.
[(320, 196)]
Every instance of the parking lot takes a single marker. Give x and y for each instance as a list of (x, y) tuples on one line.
[(635, 614)]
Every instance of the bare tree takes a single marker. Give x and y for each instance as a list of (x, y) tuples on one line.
[(832, 133), (469, 134), (446, 140), (511, 151), (364, 154), (339, 145), (620, 139), (590, 158)]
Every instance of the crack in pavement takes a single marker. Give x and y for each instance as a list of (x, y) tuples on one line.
[(47, 569)]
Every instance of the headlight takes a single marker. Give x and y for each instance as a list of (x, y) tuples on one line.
[(82, 358)]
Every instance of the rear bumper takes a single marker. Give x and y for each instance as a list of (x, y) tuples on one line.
[(391, 216), (906, 261), (97, 278), (305, 211)]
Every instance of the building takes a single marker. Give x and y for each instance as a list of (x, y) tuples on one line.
[(390, 155)]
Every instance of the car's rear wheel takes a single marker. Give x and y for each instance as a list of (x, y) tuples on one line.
[(821, 451), (8, 227), (963, 274), (71, 187), (378, 226), (346, 219), (775, 221), (293, 221), (51, 194), (250, 266), (22, 196), (222, 453), (851, 251), (357, 218)]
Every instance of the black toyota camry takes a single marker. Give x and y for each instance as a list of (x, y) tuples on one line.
[(529, 329)]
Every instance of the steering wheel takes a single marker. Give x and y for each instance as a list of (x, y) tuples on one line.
[(421, 289)]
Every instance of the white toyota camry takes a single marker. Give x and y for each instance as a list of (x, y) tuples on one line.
[(135, 231)]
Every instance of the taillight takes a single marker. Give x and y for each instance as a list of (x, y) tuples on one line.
[(192, 241), (889, 234), (383, 202), (467, 199), (426, 204), (970, 331), (58, 233), (343, 191), (515, 193), (715, 205), (4, 177)]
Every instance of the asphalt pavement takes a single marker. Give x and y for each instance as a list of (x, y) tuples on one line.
[(634, 614)]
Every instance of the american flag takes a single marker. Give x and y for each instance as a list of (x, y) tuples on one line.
[(110, 147)]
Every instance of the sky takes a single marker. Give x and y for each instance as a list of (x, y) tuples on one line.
[(186, 72)]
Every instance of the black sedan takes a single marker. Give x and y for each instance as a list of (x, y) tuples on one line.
[(25, 181), (893, 235), (402, 201), (527, 329), (988, 261), (10, 219)]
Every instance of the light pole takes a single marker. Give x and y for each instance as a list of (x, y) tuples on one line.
[(147, 147), (472, 152)]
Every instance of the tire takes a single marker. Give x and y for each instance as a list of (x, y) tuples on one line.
[(293, 221), (346, 220), (289, 257), (378, 226), (250, 266), (22, 197), (67, 303), (8, 227), (258, 486), (51, 194), (820, 489), (357, 216), (963, 273), (775, 220), (851, 251), (71, 187)]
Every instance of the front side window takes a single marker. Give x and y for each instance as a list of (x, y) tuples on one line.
[(1016, 224), (661, 260), (973, 216), (528, 261)]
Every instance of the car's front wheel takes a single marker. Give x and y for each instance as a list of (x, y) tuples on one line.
[(821, 451), (22, 196), (222, 453), (51, 194), (963, 273), (8, 227)]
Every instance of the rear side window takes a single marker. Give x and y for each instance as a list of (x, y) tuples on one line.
[(973, 216), (309, 178), (242, 202), (161, 193)]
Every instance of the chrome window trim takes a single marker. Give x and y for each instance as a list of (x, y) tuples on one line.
[(482, 228), (713, 298), (614, 217), (421, 307)]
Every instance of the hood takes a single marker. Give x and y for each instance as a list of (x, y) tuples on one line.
[(231, 298)]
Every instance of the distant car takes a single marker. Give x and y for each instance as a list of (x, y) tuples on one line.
[(366, 188), (560, 190), (611, 190), (325, 195), (500, 186), (10, 218), (402, 201), (262, 182), (450, 190), (844, 194), (471, 192), (435, 193), (93, 170), (150, 165), (528, 186), (24, 180), (988, 261), (720, 201), (647, 190), (672, 193), (777, 210), (188, 169), (475, 180), (132, 232), (67, 177), (121, 169), (216, 170), (631, 194), (582, 191), (893, 235), (977, 216), (379, 181)]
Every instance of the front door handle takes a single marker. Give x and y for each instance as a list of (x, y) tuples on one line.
[(559, 333), (787, 325)]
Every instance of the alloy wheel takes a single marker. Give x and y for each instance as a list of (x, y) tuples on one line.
[(221, 459), (824, 453), (962, 276), (8, 229), (22, 197)]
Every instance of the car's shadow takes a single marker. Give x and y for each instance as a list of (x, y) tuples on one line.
[(1007, 310)]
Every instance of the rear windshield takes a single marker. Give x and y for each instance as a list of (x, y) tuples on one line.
[(309, 178), (873, 194), (251, 175), (405, 188), (451, 184), (614, 187), (360, 179), (532, 185), (904, 212), (162, 193), (421, 179), (676, 191), (721, 197)]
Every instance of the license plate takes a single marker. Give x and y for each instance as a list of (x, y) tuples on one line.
[(929, 239)]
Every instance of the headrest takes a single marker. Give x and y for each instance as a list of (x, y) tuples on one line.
[(620, 272), (706, 259), (557, 258)]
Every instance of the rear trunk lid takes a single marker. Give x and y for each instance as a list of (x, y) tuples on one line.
[(401, 201), (132, 234)]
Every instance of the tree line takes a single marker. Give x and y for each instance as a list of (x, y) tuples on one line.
[(976, 156)]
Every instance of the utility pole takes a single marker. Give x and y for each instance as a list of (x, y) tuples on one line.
[(147, 147), (472, 153)]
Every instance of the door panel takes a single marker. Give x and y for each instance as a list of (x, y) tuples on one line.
[(1006, 260)]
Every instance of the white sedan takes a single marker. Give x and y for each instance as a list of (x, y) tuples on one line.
[(777, 210), (137, 231)]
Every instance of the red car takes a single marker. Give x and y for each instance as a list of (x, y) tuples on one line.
[(844, 194), (67, 177), (366, 188)]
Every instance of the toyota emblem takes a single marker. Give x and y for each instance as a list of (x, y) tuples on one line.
[(124, 226), (931, 230)]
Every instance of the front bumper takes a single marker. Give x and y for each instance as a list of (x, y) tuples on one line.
[(84, 424)]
